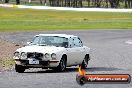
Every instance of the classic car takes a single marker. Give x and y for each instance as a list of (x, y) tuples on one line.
[(54, 51)]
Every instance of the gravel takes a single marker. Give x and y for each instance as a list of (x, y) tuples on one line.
[(6, 53)]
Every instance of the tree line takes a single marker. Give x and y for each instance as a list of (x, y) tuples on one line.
[(84, 3)]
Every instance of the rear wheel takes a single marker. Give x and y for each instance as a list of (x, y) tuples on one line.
[(85, 62), (19, 68)]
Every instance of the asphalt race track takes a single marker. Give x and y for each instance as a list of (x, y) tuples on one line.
[(109, 54)]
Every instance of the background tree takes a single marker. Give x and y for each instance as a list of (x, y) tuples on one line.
[(6, 1), (17, 2)]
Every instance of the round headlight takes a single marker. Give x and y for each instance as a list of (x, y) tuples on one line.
[(23, 55), (16, 54), (53, 56), (47, 55)]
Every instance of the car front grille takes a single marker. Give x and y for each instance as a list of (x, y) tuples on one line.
[(35, 55)]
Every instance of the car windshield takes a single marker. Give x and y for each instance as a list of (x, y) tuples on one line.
[(50, 41)]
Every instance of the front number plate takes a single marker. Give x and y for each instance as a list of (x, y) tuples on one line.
[(31, 61)]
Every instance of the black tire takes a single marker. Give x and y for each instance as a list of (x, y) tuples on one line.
[(85, 62), (62, 65), (19, 68)]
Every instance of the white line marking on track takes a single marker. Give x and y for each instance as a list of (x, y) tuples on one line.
[(129, 42)]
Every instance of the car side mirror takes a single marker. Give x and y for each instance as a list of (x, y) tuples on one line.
[(28, 43), (65, 44)]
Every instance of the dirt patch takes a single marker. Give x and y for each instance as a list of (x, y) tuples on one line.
[(6, 53)]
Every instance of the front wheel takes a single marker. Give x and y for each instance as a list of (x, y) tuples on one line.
[(19, 68), (62, 65)]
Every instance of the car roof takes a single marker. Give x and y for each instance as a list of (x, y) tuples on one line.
[(59, 35)]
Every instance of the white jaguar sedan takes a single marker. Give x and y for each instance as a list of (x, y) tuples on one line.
[(55, 51)]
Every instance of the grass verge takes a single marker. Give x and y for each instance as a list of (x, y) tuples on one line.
[(14, 19), (6, 64)]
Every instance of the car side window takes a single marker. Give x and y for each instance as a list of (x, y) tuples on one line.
[(80, 42), (71, 43), (77, 42)]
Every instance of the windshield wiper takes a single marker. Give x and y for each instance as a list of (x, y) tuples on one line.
[(42, 44)]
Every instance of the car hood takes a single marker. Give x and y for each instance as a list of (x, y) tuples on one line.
[(40, 49)]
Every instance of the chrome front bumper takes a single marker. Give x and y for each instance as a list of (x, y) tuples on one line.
[(26, 63)]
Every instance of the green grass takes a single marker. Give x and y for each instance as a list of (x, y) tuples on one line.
[(13, 19), (6, 64)]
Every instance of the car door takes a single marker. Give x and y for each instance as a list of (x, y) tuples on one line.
[(80, 50), (71, 53)]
